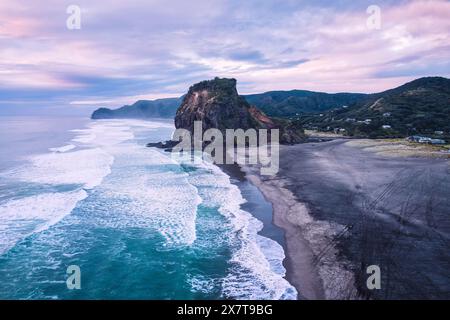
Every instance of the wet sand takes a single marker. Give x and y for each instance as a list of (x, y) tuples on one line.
[(343, 209)]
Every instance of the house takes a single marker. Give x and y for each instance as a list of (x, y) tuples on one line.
[(421, 139), (386, 126), (367, 121), (339, 130), (350, 120), (386, 114), (424, 140), (439, 133), (437, 141)]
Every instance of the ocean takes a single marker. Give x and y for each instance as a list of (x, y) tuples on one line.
[(138, 224)]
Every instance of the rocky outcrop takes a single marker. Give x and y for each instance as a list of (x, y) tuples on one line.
[(217, 104), (166, 145)]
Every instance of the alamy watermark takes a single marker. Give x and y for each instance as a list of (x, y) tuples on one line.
[(373, 22), (374, 280), (73, 22), (74, 279), (255, 147)]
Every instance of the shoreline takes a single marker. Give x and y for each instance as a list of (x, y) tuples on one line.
[(302, 238), (260, 208), (298, 260), (306, 239), (256, 203), (344, 208)]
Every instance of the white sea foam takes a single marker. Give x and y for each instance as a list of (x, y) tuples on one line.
[(257, 271), (143, 189), (146, 125), (105, 133), (85, 169), (25, 216), (199, 283), (149, 191), (63, 148)]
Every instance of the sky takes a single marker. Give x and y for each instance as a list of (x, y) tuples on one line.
[(130, 50)]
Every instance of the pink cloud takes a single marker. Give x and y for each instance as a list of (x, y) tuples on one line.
[(157, 43), (347, 56)]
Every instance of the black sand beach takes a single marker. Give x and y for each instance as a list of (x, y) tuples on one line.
[(343, 209)]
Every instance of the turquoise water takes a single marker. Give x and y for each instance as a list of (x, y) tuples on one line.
[(138, 224)]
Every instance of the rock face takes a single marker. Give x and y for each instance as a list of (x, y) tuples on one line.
[(218, 105)]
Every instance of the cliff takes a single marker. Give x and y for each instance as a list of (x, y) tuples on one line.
[(217, 104)]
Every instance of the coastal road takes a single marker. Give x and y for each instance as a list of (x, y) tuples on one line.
[(396, 213)]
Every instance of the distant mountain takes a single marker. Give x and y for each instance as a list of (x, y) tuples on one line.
[(160, 108), (421, 106), (295, 102), (217, 104), (282, 104)]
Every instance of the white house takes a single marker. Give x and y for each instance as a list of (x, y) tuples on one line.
[(421, 139)]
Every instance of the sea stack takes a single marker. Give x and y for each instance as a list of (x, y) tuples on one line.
[(217, 104)]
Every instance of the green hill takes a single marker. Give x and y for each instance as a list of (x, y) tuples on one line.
[(295, 102), (160, 108), (421, 106)]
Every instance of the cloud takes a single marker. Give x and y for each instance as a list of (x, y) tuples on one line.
[(129, 49), (246, 55)]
